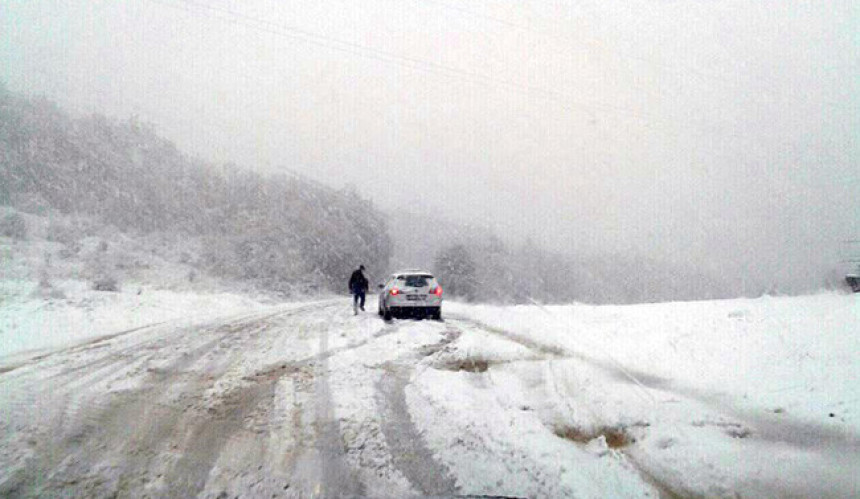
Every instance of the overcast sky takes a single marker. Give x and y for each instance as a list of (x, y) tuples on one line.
[(723, 134)]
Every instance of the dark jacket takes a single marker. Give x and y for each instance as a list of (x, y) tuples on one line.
[(358, 283)]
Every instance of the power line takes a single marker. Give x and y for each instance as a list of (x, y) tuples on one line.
[(262, 25), (565, 39), (472, 13), (529, 29), (677, 68)]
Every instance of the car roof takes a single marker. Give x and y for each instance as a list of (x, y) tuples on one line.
[(413, 271)]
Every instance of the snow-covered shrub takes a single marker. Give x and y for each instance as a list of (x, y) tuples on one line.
[(105, 283), (13, 225), (46, 288), (30, 202), (70, 229), (70, 250)]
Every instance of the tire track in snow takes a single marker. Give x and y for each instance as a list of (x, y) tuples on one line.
[(136, 423), (319, 464), (411, 456), (188, 406), (337, 478), (204, 444)]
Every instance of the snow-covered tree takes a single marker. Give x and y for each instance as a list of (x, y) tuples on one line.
[(455, 269)]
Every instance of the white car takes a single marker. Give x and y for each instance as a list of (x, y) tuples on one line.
[(411, 292)]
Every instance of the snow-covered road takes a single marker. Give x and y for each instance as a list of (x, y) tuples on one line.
[(307, 400), (299, 400)]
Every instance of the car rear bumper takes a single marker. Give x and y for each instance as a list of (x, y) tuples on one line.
[(417, 311), (401, 301)]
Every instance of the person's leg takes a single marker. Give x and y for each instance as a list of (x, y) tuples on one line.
[(362, 300)]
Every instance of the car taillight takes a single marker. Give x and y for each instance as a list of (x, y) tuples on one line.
[(436, 291), (395, 291)]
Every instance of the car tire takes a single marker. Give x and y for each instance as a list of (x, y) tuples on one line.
[(437, 314), (386, 314)]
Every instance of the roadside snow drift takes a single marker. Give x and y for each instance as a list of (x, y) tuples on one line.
[(753, 396), (30, 323)]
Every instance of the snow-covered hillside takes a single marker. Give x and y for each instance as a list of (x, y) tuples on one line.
[(279, 231), (66, 279)]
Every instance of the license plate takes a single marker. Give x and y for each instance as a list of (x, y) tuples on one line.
[(414, 297)]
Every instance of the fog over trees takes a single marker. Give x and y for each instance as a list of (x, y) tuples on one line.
[(286, 232), (276, 230)]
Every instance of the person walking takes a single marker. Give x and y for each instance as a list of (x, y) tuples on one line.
[(358, 285)]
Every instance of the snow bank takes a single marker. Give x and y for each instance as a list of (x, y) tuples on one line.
[(30, 322), (783, 354), (754, 397)]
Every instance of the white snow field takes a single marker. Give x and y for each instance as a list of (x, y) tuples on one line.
[(30, 323), (757, 397), (749, 398)]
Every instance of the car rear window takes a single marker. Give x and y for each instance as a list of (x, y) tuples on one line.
[(416, 281)]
